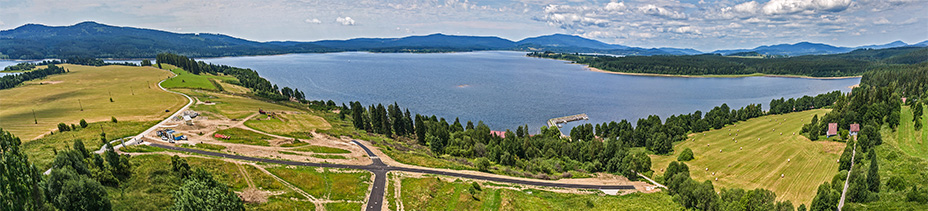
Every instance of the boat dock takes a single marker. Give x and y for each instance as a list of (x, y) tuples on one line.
[(555, 122)]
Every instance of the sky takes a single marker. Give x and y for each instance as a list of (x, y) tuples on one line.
[(704, 25)]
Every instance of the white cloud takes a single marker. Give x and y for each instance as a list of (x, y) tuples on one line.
[(613, 6), (347, 21), (651, 9), (776, 7), (746, 7), (882, 21), (312, 21)]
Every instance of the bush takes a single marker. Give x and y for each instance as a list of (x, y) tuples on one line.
[(83, 123), (896, 183), (483, 164), (113, 119), (62, 127), (686, 155)]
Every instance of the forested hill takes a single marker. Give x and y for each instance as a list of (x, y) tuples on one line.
[(95, 40), (847, 64)]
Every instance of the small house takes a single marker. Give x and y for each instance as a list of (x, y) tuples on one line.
[(832, 130), (854, 129)]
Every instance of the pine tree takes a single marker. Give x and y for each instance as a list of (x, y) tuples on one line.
[(873, 175)]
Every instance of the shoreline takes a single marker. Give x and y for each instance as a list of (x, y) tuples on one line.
[(714, 76)]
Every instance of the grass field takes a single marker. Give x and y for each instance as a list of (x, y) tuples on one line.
[(761, 162), (900, 155), (41, 151), (242, 136), (433, 194), (910, 141), (321, 149), (329, 156), (59, 98), (186, 79), (290, 125), (231, 106), (324, 184), (152, 184)]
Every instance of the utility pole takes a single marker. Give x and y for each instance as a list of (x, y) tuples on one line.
[(79, 103), (33, 117)]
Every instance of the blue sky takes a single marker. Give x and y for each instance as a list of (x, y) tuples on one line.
[(701, 24)]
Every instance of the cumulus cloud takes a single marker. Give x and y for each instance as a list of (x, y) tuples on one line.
[(615, 6), (651, 9), (775, 7), (312, 21), (746, 7), (347, 21)]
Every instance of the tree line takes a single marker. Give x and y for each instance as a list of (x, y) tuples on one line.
[(12, 80), (848, 64), (589, 148)]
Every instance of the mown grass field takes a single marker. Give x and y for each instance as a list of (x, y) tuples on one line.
[(910, 141), (231, 106), (751, 163), (433, 194), (290, 125), (59, 98), (242, 136), (42, 151), (186, 79), (325, 184)]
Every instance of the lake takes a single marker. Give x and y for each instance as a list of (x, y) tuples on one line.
[(506, 89)]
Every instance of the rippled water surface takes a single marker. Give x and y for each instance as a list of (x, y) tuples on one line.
[(507, 89)]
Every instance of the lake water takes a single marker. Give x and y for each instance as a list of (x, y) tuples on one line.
[(507, 89)]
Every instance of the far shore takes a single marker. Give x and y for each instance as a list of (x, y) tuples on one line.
[(715, 76)]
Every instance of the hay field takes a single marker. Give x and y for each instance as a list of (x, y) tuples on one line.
[(751, 163), (58, 98)]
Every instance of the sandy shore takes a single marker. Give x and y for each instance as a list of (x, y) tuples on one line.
[(714, 76)]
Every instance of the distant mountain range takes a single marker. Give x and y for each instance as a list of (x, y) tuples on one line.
[(91, 39)]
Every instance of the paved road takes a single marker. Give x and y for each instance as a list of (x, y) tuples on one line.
[(380, 173)]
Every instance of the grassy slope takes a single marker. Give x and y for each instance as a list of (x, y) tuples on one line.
[(326, 184), (186, 79), (41, 151), (152, 184), (55, 103), (913, 143), (291, 125), (320, 149), (232, 106), (432, 194), (760, 163)]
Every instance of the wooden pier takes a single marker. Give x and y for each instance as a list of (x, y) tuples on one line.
[(555, 122)]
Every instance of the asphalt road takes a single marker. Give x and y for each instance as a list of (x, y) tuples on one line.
[(380, 173)]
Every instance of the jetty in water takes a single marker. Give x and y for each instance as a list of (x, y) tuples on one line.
[(555, 122)]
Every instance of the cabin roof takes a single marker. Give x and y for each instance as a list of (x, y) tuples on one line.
[(832, 129)]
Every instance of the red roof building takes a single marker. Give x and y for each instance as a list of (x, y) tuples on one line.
[(832, 130), (854, 129), (501, 134)]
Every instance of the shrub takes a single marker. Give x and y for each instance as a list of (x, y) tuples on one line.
[(83, 123), (483, 164), (686, 155)]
